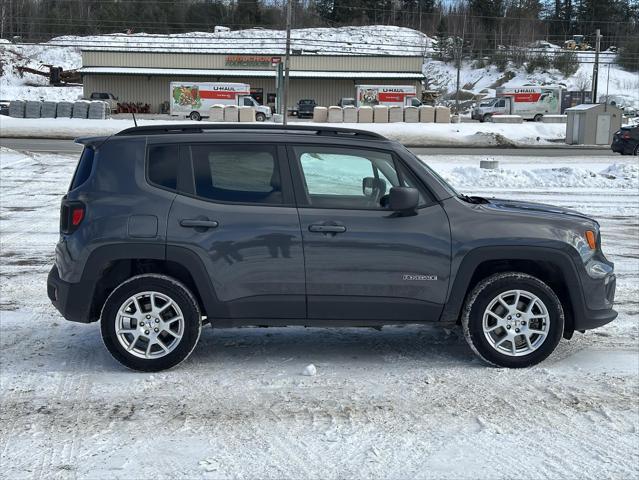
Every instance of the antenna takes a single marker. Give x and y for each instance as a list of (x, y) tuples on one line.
[(134, 120)]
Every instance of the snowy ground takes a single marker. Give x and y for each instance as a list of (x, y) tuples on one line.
[(414, 134), (409, 402)]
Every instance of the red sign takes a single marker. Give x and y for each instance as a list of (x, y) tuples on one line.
[(220, 94)]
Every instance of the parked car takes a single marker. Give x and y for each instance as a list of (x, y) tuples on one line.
[(305, 108), (346, 102), (626, 141), (180, 225), (4, 107), (111, 99)]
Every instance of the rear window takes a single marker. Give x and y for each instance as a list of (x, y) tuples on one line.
[(83, 170), (163, 165)]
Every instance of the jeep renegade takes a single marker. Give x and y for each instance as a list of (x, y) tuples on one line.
[(167, 228)]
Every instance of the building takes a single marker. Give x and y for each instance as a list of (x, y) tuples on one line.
[(592, 124), (144, 76)]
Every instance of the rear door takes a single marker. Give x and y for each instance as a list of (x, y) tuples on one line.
[(363, 261), (236, 211)]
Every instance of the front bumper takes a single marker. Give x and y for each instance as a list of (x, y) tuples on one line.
[(597, 308), (72, 300)]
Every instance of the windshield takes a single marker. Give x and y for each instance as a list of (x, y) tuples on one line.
[(307, 102)]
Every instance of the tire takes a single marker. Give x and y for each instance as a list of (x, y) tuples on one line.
[(195, 116), (487, 118), (538, 117), (260, 117), (636, 152), (149, 351), (494, 347)]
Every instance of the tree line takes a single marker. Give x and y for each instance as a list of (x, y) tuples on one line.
[(484, 26)]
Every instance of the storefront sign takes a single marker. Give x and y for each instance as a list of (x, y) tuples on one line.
[(251, 60)]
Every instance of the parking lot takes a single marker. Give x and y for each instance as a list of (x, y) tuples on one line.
[(404, 402)]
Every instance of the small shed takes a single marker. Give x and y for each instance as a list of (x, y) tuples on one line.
[(592, 124)]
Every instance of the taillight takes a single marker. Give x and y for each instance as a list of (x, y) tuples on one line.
[(71, 215), (626, 135)]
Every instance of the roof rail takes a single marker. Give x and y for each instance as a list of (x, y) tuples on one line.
[(201, 128)]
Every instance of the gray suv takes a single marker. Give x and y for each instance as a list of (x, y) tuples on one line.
[(165, 229)]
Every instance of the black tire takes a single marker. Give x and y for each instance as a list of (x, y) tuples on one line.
[(195, 116), (487, 118), (636, 152), (481, 297), (538, 117), (165, 286), (260, 117)]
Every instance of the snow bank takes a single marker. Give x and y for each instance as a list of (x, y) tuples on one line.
[(413, 134)]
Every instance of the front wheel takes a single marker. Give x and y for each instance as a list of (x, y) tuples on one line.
[(487, 118), (195, 116), (636, 152), (150, 323), (260, 117), (513, 320), (538, 117)]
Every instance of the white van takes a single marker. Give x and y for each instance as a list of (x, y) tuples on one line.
[(391, 95), (195, 99)]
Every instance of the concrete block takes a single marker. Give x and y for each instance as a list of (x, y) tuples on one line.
[(380, 114), (32, 109), (278, 118), (489, 164), (442, 114), (80, 109), (216, 113), (455, 119), (507, 119), (231, 114), (320, 114), (335, 114), (395, 114), (16, 108), (247, 114), (64, 109), (97, 110), (350, 114), (411, 114), (365, 114), (554, 118), (48, 109), (426, 114)]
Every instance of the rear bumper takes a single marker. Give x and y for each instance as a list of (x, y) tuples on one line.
[(72, 300)]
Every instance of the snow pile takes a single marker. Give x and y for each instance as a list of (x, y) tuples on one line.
[(413, 134), (615, 176)]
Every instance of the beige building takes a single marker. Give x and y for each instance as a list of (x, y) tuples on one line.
[(144, 76)]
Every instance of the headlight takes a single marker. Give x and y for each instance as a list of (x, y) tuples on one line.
[(585, 244)]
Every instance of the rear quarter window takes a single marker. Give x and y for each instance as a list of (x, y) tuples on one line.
[(162, 165), (83, 170)]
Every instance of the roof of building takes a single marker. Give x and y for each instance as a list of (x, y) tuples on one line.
[(172, 72)]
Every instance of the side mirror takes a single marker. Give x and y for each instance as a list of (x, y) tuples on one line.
[(403, 199)]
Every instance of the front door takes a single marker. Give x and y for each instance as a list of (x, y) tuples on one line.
[(363, 261), (238, 215)]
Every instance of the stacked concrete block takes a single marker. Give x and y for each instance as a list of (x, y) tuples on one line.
[(80, 109), (395, 114), (231, 114), (426, 114), (16, 109), (380, 114), (32, 109), (507, 119), (64, 110), (98, 110), (554, 118), (320, 114), (350, 114), (442, 114), (335, 115), (278, 118), (365, 114), (247, 114), (216, 113), (411, 115), (48, 109)]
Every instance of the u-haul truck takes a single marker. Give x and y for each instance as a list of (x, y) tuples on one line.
[(530, 102), (391, 95), (195, 99)]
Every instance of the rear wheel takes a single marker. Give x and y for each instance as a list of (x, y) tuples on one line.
[(195, 116), (538, 117), (150, 323), (513, 320), (636, 152)]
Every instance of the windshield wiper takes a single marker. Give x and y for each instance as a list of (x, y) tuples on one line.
[(475, 200)]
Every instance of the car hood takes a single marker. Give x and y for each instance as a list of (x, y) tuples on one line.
[(514, 205)]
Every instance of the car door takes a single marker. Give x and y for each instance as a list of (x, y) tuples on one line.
[(236, 212), (363, 261)]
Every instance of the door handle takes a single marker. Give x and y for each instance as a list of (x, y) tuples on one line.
[(327, 228), (196, 223)]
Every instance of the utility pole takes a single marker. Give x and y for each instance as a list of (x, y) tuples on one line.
[(458, 59), (595, 68), (287, 59)]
